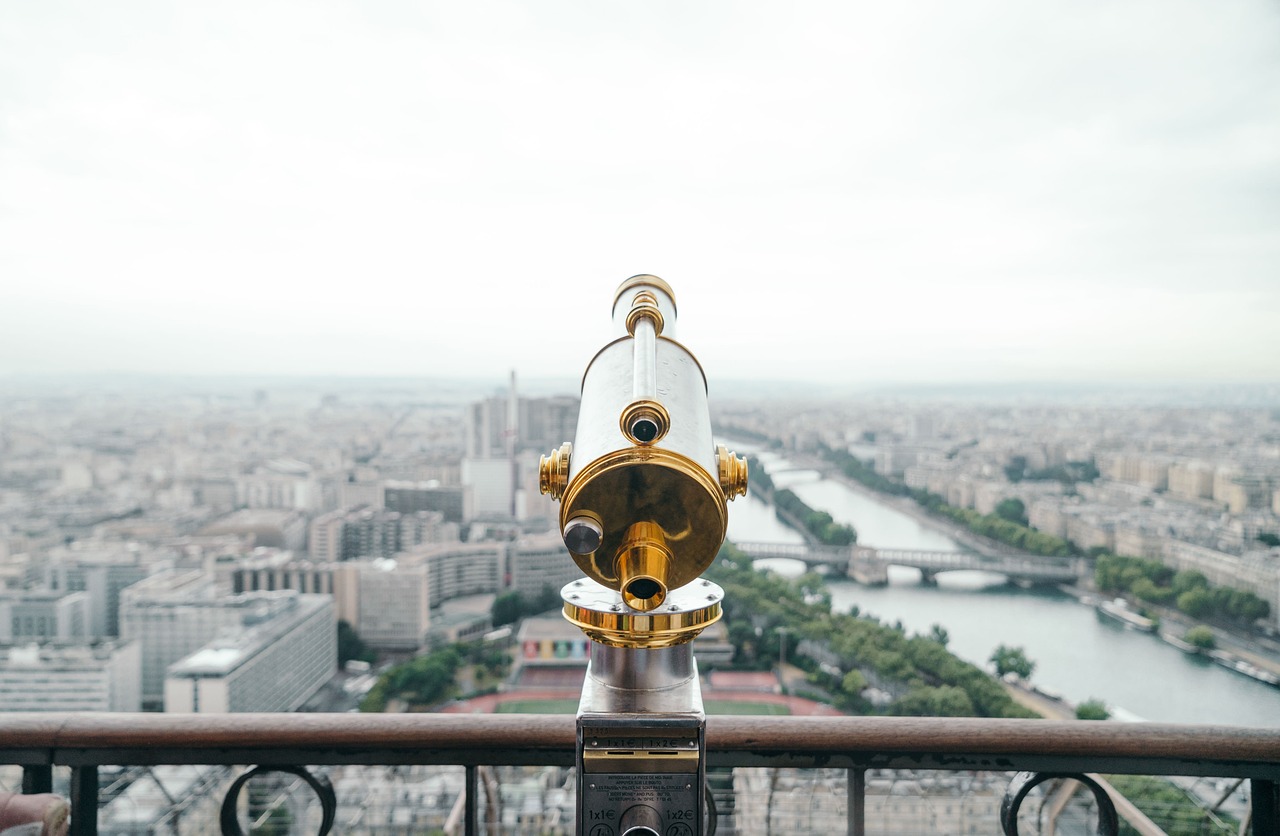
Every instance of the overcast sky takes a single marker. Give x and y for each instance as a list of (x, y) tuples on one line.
[(991, 190)]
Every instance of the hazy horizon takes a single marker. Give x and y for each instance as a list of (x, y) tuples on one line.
[(842, 194), (467, 388)]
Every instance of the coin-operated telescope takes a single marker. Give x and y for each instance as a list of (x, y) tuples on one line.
[(644, 494)]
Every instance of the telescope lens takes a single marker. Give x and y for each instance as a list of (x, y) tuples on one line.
[(644, 430)]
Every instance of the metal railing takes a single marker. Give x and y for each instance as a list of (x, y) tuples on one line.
[(85, 742)]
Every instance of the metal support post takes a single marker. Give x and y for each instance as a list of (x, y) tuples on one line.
[(1266, 806), (84, 801), (857, 802), (472, 801), (37, 778)]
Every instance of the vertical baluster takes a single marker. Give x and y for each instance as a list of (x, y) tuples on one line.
[(857, 805), (1266, 806), (84, 801), (472, 801), (37, 778)]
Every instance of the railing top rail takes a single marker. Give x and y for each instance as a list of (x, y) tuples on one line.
[(926, 742)]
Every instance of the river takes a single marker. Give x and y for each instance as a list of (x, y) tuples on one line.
[(1077, 654)]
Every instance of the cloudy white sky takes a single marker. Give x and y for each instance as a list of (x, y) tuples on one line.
[(994, 190)]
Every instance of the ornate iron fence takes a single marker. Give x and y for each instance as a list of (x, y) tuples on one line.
[(291, 743)]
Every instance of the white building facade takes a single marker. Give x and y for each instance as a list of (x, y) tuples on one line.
[(395, 605), (287, 652), (51, 677)]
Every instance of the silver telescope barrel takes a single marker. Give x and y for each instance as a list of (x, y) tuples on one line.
[(643, 492), (643, 487)]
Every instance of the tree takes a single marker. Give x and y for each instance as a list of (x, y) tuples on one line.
[(853, 683), (548, 599), (1246, 607), (1189, 579), (507, 608), (928, 701), (1256, 609), (1195, 602), (1148, 591), (1012, 660), (1092, 709), (1201, 637), (1267, 538), (432, 681), (375, 702), (837, 534), (426, 680), (1013, 510), (939, 634), (351, 647), (1106, 572)]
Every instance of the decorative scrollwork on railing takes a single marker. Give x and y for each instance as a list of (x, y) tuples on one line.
[(1024, 782), (319, 785)]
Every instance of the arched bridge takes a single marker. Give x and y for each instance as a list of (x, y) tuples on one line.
[(870, 565)]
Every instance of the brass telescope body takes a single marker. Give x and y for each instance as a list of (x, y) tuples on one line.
[(643, 488)]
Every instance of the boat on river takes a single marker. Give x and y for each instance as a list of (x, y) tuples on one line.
[(1234, 663), (1184, 646), (1118, 610)]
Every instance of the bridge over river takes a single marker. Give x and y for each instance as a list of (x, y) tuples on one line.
[(870, 565)]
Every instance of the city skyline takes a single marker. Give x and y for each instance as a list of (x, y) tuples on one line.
[(841, 194)]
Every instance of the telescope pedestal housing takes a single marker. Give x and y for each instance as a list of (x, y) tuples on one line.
[(641, 745)]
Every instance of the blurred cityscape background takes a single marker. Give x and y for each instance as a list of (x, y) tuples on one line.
[(223, 546)]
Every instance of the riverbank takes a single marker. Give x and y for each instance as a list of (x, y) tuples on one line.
[(908, 507), (1078, 653), (1174, 624), (1259, 651), (1256, 652), (1046, 707)]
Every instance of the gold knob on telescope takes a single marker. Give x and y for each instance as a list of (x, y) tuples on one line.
[(645, 306), (733, 473), (553, 471), (649, 283)]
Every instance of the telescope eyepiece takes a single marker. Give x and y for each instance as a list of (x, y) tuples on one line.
[(644, 565), (642, 589)]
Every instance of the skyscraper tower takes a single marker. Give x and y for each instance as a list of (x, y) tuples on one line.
[(489, 469)]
